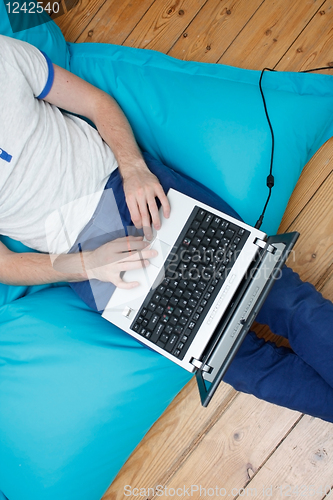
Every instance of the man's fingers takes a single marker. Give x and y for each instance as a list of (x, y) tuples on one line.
[(155, 217), (164, 201), (127, 286), (145, 217), (129, 244), (134, 211), (128, 265), (144, 254)]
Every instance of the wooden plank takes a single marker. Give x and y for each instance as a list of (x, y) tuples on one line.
[(313, 176), (270, 33), (115, 21), (211, 32), (166, 445), (312, 257), (163, 23), (313, 252), (313, 48), (76, 19), (307, 450), (235, 448)]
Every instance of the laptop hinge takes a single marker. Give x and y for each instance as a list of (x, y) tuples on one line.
[(262, 244), (200, 365)]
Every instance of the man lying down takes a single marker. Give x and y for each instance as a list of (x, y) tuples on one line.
[(50, 158)]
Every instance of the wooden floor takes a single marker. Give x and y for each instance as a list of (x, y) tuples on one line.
[(239, 441)]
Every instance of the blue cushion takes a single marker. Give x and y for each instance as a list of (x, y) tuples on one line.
[(77, 395), (45, 36), (208, 120)]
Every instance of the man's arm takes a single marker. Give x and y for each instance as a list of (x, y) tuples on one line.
[(106, 263), (73, 94), (36, 269)]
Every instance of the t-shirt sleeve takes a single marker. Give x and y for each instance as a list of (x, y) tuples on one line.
[(33, 64)]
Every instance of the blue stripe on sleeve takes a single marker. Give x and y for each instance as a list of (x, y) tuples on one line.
[(50, 78)]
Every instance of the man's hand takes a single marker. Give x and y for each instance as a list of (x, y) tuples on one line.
[(123, 254), (141, 189)]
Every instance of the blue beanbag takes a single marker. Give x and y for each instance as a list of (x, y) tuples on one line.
[(208, 120), (70, 382)]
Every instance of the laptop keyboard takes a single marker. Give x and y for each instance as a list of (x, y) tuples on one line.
[(194, 273)]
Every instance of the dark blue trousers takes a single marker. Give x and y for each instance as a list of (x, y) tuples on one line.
[(300, 378)]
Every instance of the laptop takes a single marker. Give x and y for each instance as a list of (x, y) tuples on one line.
[(199, 296)]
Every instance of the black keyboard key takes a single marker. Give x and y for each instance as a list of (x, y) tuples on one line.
[(180, 345), (168, 292), (187, 295), (161, 289), (159, 310), (216, 222), (169, 310), (187, 312), (145, 322), (206, 241), (229, 234), (201, 214), (224, 224), (159, 329), (178, 293), (191, 286), (173, 301), (143, 312), (241, 231), (168, 329), (192, 303), (196, 316), (207, 220), (195, 224), (152, 306), (237, 240), (196, 241), (171, 342), (163, 301), (160, 344), (136, 327), (165, 318), (183, 320), (191, 325), (153, 322), (196, 295), (211, 232), (190, 233), (178, 312), (164, 338), (176, 353), (179, 329), (184, 339), (201, 285), (173, 320), (182, 303)]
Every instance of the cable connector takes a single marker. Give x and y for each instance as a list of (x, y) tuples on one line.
[(270, 181), (259, 222)]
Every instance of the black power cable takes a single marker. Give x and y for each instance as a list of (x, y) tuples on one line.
[(270, 177)]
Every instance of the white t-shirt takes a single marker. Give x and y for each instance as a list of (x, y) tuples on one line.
[(50, 161)]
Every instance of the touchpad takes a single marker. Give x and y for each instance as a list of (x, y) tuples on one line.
[(163, 250)]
